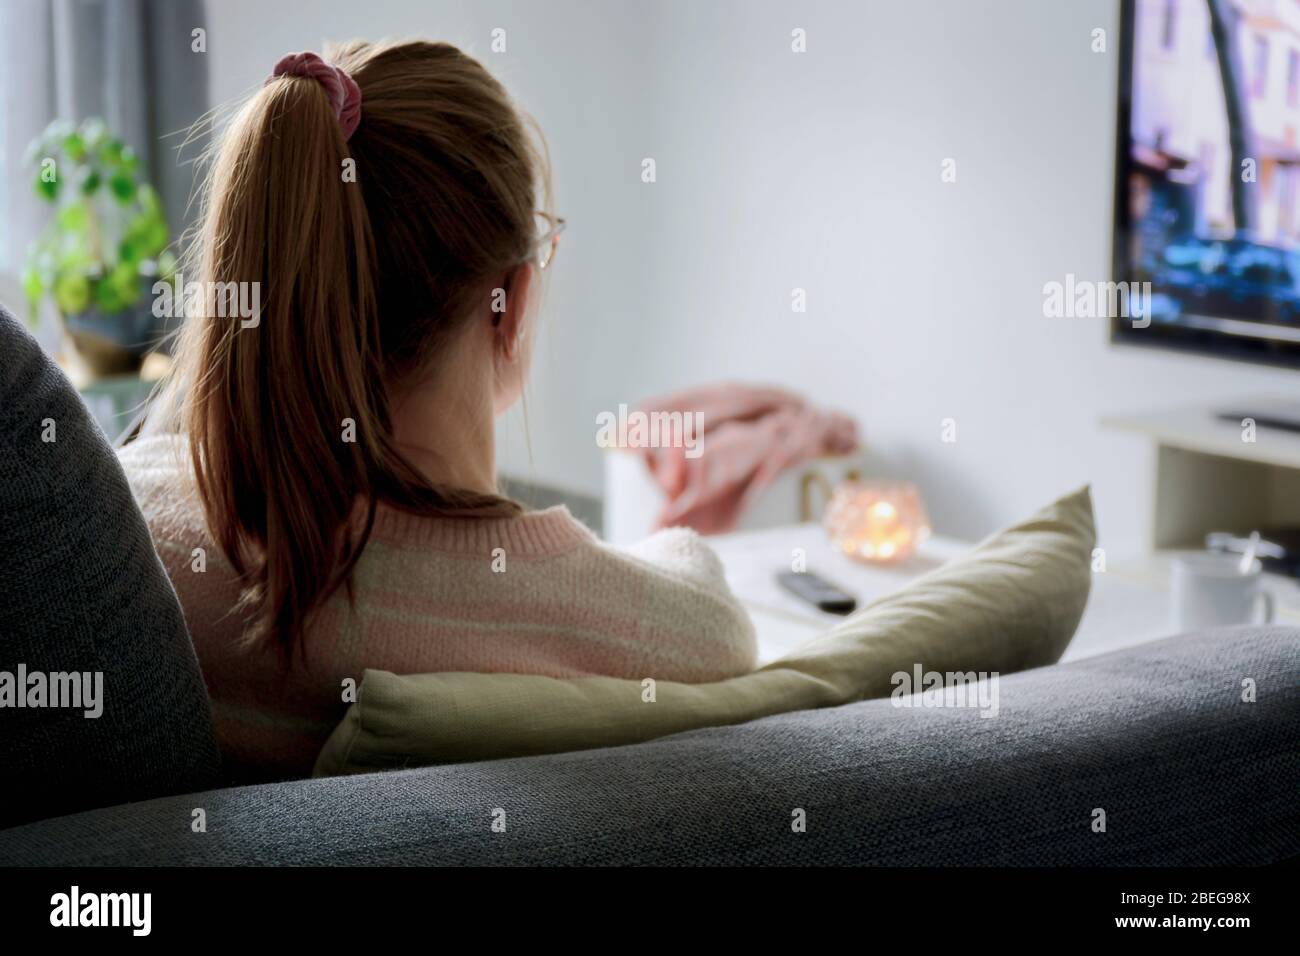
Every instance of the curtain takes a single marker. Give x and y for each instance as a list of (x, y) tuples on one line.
[(130, 62)]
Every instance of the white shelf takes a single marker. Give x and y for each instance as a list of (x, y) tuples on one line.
[(1200, 430), (1207, 478)]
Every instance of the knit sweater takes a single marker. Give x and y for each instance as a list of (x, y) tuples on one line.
[(533, 594)]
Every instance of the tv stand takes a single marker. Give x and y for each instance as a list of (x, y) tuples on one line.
[(1283, 415), (1209, 478)]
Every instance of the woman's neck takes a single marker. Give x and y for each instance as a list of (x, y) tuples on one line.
[(445, 428)]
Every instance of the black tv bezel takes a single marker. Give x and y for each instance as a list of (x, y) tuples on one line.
[(1154, 336)]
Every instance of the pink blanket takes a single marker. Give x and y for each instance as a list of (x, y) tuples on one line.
[(750, 435)]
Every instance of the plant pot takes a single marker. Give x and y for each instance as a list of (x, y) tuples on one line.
[(115, 343)]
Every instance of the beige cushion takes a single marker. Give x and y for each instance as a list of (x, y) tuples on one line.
[(1012, 603)]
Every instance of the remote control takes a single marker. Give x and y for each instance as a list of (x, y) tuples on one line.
[(817, 591)]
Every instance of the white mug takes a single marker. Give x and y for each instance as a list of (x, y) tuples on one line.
[(1209, 590)]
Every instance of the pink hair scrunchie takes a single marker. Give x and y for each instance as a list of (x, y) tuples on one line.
[(342, 90)]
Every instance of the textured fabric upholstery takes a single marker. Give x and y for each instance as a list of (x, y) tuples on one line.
[(1157, 736), (81, 590)]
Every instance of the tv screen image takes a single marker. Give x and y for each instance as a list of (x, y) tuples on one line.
[(1207, 204)]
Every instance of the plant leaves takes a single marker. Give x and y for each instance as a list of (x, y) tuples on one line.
[(72, 293), (123, 187)]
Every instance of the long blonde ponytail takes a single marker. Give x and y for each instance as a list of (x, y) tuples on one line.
[(369, 252)]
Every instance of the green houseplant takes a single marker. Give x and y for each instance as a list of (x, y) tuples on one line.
[(104, 247)]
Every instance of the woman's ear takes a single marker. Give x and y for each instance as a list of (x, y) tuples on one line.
[(509, 330), (510, 311)]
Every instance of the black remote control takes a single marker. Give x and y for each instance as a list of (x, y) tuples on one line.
[(818, 592)]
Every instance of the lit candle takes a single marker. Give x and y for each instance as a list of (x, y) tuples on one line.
[(877, 521)]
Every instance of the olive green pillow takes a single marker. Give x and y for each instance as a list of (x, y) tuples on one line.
[(1012, 603)]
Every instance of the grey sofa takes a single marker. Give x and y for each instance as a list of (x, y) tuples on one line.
[(1157, 737)]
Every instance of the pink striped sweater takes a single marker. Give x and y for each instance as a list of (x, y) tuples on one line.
[(536, 594)]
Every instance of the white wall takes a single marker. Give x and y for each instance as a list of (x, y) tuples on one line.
[(822, 171)]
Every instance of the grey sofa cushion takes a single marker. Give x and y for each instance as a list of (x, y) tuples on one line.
[(81, 590), (1157, 736)]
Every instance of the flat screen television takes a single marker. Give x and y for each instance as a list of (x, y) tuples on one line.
[(1207, 185)]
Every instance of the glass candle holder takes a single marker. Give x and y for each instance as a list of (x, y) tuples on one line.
[(876, 522)]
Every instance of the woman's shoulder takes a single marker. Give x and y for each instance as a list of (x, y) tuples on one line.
[(158, 470), (680, 585), (679, 551), (155, 456)]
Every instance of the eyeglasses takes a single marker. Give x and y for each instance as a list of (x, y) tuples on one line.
[(549, 228)]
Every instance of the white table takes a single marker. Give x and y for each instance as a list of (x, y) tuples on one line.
[(1129, 604)]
